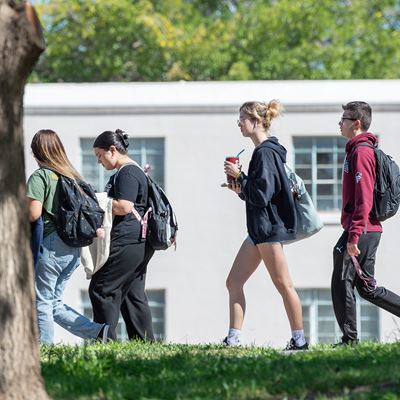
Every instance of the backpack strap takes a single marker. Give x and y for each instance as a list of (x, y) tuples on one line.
[(142, 220)]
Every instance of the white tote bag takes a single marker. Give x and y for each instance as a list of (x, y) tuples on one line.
[(308, 220)]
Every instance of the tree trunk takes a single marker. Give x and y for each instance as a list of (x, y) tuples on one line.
[(21, 43)]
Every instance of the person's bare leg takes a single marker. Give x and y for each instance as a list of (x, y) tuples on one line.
[(246, 262), (275, 261)]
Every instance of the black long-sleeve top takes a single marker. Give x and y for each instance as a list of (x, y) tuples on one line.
[(270, 210)]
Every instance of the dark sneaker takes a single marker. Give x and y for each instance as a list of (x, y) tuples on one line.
[(346, 342), (292, 346), (230, 344)]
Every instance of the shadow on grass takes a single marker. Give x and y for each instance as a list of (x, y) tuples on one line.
[(143, 371)]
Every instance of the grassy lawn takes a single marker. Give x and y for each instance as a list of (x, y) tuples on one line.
[(141, 371)]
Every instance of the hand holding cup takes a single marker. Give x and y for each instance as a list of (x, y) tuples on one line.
[(231, 168)]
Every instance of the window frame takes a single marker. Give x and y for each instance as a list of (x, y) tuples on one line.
[(335, 181), (139, 150), (121, 329), (313, 301)]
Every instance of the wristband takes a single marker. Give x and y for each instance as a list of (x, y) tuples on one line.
[(238, 175)]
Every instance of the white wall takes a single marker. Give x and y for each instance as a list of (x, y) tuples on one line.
[(211, 219)]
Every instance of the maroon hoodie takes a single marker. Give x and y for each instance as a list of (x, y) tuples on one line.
[(358, 187)]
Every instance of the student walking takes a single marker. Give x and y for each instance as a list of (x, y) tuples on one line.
[(119, 286), (362, 232), (56, 260), (271, 219)]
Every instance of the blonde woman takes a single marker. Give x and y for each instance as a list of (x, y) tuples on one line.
[(271, 219), (56, 261)]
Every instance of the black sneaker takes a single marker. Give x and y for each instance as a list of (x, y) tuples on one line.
[(346, 342), (226, 343), (292, 346)]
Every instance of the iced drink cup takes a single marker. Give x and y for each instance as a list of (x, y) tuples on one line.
[(233, 160)]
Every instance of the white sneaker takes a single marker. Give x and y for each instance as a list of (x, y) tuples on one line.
[(230, 343), (104, 336)]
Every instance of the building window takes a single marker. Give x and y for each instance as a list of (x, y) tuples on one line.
[(142, 150), (320, 325), (157, 306), (319, 162)]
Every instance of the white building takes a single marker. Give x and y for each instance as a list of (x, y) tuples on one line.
[(185, 130)]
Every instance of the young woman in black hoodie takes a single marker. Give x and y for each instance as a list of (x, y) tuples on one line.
[(271, 219)]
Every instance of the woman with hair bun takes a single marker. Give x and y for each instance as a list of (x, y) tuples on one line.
[(119, 286), (271, 220)]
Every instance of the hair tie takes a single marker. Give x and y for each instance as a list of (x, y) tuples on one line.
[(124, 137), (125, 140)]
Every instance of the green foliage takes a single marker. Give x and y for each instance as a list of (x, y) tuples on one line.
[(157, 40), (144, 371)]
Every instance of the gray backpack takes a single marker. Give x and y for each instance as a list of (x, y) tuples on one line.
[(308, 220)]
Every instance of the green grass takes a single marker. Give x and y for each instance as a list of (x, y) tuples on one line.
[(142, 371)]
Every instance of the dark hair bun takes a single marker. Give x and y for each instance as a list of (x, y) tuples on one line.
[(124, 137)]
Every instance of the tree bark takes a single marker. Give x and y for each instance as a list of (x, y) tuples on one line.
[(21, 43)]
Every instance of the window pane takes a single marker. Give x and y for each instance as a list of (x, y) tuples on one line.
[(324, 189), (303, 142), (325, 142), (325, 173), (304, 173), (324, 158), (325, 327), (325, 205), (303, 158), (341, 143), (321, 158), (324, 296), (369, 311), (325, 311)]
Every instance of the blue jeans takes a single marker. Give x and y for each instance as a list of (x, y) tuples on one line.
[(57, 261)]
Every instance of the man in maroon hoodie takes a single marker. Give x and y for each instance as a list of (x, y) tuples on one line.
[(362, 233)]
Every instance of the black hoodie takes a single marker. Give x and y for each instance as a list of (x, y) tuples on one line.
[(270, 210)]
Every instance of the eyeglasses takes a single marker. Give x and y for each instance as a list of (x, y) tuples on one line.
[(240, 121), (350, 119)]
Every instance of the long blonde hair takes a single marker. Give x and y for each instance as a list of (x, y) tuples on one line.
[(49, 152), (264, 111)]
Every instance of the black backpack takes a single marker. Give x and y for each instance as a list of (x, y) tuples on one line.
[(387, 185), (159, 224), (79, 214), (162, 224)]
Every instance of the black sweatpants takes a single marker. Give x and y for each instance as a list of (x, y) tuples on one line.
[(345, 277), (119, 286)]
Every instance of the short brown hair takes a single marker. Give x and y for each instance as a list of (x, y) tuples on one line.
[(359, 110)]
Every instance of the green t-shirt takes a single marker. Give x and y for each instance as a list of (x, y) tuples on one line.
[(42, 186)]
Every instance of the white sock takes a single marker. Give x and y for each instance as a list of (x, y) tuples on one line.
[(298, 337), (233, 336)]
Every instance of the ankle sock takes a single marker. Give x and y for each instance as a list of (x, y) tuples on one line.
[(233, 336), (298, 337)]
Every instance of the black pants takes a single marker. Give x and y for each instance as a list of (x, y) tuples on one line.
[(119, 286), (344, 278)]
